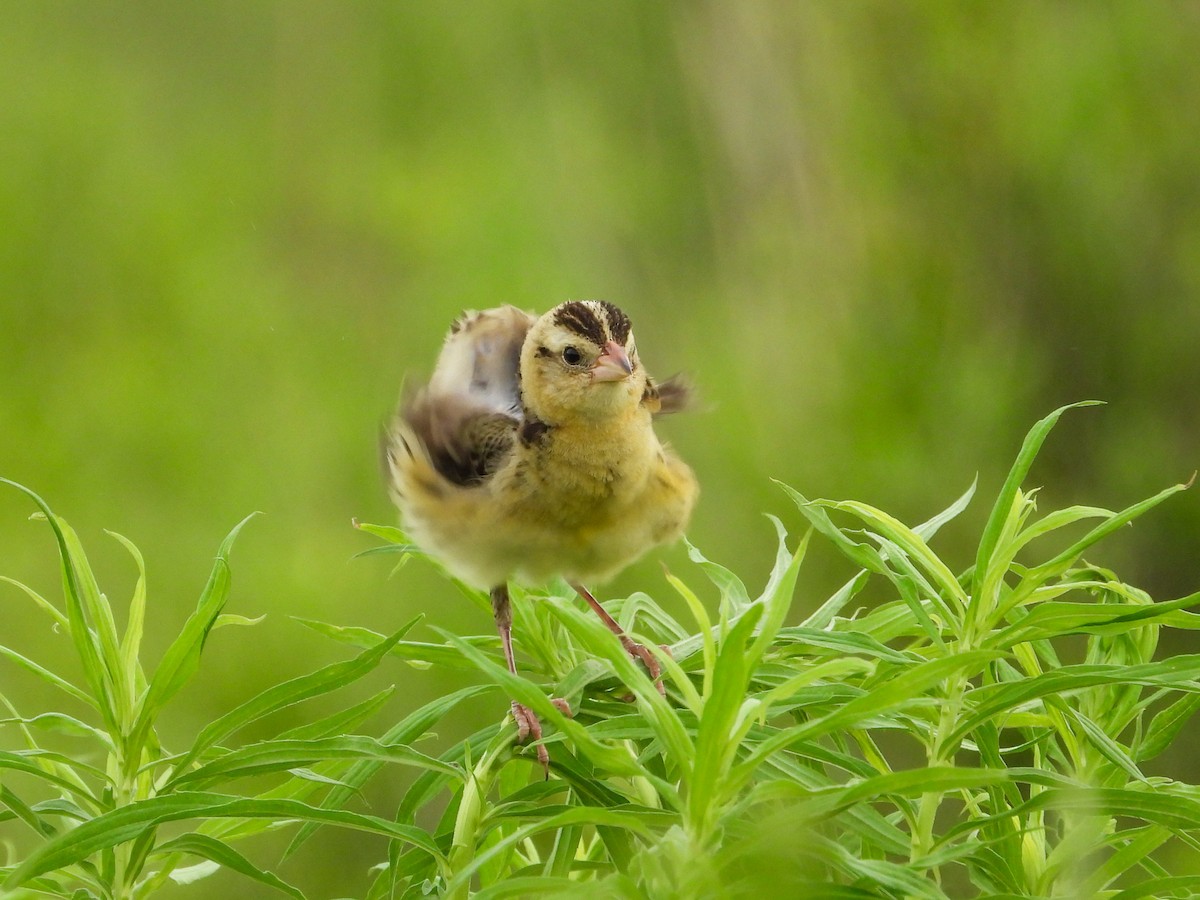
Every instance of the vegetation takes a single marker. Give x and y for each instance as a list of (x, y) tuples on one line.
[(979, 730)]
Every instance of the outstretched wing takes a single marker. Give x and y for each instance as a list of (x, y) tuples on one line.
[(467, 418), (671, 396)]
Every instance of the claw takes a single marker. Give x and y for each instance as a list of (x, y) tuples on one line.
[(529, 727), (649, 660), (563, 706)]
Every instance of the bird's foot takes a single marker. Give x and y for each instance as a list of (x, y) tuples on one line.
[(649, 660), (529, 727)]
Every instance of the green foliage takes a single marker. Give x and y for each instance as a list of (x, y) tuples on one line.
[(973, 732)]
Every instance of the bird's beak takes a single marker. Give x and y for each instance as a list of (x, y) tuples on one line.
[(613, 364)]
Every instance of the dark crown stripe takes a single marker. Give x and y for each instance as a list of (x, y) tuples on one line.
[(578, 317), (618, 322)]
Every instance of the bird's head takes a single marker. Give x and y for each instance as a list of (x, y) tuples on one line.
[(579, 361)]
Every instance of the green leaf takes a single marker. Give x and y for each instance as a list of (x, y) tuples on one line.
[(279, 755), (824, 615), (407, 730), (1068, 557), (61, 723), (993, 700), (1136, 845), (389, 533), (416, 653), (1053, 618), (1166, 726), (131, 642), (227, 619), (906, 688), (31, 762), (910, 544), (637, 822), (776, 598), (1016, 475), (343, 721), (45, 605), (23, 812), (49, 677), (602, 643), (1158, 807), (222, 854), (716, 745), (98, 613), (296, 690), (84, 639), (1157, 888), (734, 596), (129, 822), (182, 658), (615, 759), (529, 886)]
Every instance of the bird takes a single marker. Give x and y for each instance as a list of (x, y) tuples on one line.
[(531, 454)]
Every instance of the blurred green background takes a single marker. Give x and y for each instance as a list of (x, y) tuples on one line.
[(884, 239)]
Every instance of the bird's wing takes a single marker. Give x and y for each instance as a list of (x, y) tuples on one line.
[(481, 359), (467, 418), (671, 396)]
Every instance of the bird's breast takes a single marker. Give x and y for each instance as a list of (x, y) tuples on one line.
[(581, 477)]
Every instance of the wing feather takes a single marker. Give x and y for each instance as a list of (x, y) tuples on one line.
[(468, 416)]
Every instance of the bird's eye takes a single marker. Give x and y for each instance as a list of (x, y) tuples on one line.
[(572, 356)]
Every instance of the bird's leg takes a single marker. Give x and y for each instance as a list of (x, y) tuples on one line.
[(632, 647), (528, 724)]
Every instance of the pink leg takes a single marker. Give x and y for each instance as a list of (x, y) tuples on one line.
[(634, 649), (528, 724)]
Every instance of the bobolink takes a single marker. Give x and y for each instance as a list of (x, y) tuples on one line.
[(532, 454)]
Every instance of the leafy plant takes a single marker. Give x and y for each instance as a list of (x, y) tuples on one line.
[(100, 825), (978, 731)]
